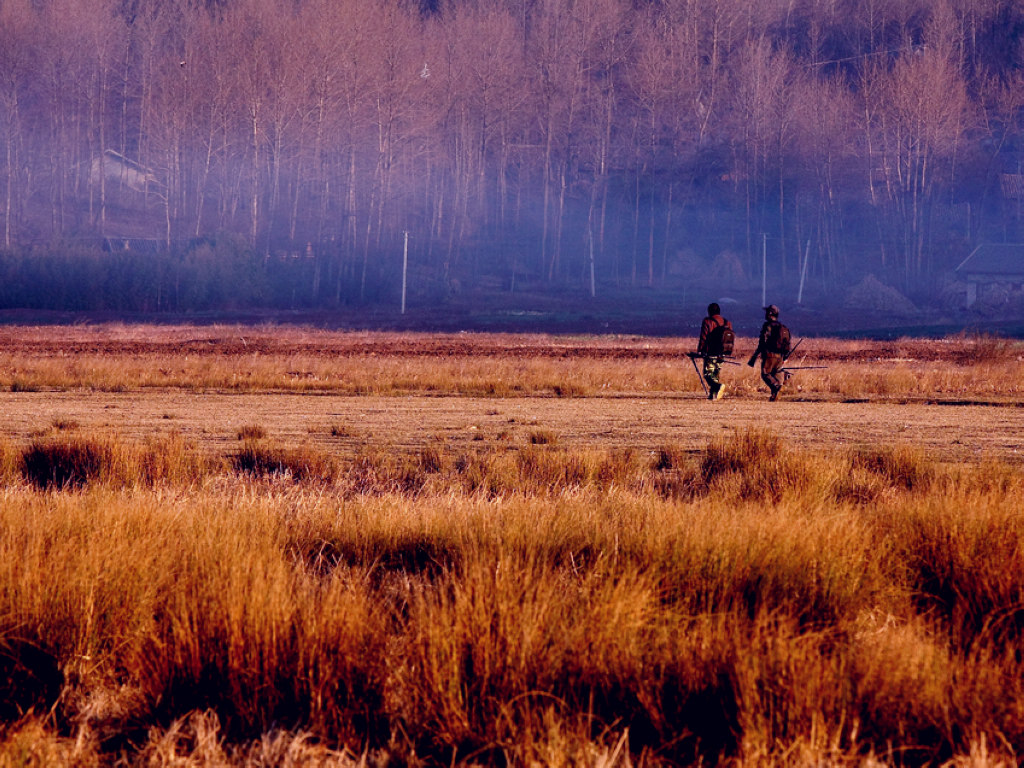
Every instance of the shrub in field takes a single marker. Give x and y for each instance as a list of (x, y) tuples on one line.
[(791, 686), (741, 558), (901, 466), (754, 464), (77, 461), (199, 739), (542, 437), (481, 664), (30, 677), (263, 664), (964, 555), (251, 432), (171, 460), (244, 634), (303, 464), (899, 682), (546, 471), (10, 461), (69, 463), (31, 743)]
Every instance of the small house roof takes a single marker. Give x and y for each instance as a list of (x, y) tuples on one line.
[(994, 259)]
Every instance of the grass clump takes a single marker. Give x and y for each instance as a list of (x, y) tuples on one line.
[(964, 555), (542, 437), (283, 660), (76, 461), (72, 463), (251, 432), (899, 466), (30, 677), (301, 464), (752, 465)]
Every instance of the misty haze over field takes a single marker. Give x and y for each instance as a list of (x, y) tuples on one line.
[(164, 155)]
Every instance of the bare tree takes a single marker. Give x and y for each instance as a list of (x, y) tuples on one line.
[(923, 124), (480, 77), (763, 132), (825, 145), (17, 30)]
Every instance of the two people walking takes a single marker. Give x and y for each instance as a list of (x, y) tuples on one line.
[(716, 342)]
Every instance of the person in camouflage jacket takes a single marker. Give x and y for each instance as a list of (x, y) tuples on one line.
[(772, 348), (709, 349)]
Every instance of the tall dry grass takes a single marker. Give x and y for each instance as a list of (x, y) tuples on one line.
[(854, 379), (130, 358), (752, 604)]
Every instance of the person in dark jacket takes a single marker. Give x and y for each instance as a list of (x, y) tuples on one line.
[(772, 348), (709, 347)]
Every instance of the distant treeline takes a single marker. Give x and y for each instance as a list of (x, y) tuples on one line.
[(554, 141), (210, 274)]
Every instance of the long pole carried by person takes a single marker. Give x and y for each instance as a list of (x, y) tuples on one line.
[(700, 377)]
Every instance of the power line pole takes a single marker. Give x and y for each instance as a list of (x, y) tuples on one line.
[(764, 268), (405, 267)]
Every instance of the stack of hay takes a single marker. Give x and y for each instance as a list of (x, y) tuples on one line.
[(874, 296)]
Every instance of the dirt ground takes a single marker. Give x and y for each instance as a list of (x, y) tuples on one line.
[(115, 340), (341, 424), (953, 430)]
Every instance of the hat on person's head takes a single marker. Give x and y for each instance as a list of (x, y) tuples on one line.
[(771, 309)]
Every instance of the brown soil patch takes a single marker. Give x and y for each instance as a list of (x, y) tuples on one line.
[(342, 424), (227, 341)]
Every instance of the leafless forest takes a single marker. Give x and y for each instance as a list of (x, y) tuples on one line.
[(550, 143)]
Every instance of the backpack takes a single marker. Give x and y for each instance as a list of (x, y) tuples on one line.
[(778, 339), (721, 339)]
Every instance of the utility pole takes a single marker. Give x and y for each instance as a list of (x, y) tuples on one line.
[(590, 242), (405, 266), (803, 273), (764, 268)]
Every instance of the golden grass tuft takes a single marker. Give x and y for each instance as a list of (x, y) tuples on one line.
[(515, 605), (71, 463), (251, 432), (542, 437), (76, 461), (753, 464), (900, 466), (303, 464), (30, 677)]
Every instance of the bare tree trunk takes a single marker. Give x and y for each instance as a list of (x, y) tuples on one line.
[(9, 193), (546, 181), (254, 197)]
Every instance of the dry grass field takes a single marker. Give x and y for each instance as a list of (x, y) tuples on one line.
[(275, 546)]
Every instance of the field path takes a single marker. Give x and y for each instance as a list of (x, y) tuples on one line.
[(342, 424)]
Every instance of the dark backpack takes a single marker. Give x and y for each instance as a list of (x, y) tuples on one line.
[(721, 339), (778, 339)]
